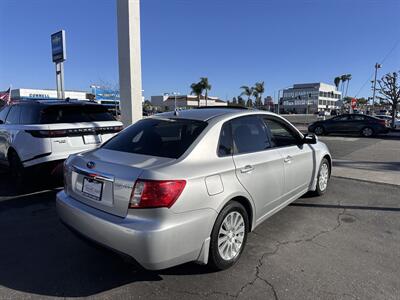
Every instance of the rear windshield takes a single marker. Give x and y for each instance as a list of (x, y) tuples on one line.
[(75, 113), (157, 137)]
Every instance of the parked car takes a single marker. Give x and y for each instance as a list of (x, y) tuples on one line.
[(190, 186), (388, 120), (350, 123), (45, 133)]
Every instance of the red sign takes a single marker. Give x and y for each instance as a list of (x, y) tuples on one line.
[(353, 103)]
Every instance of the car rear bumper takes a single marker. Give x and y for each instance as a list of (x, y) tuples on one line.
[(155, 238)]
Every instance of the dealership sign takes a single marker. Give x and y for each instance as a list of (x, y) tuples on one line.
[(58, 47)]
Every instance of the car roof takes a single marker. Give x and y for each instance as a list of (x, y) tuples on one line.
[(205, 114), (54, 102)]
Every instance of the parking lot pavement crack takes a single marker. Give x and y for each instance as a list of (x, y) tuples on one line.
[(258, 276), (201, 294)]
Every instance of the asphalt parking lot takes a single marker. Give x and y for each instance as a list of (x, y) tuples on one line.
[(344, 245)]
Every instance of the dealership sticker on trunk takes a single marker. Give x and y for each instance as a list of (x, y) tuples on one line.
[(92, 188)]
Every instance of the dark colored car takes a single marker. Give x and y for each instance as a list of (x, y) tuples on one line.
[(350, 123)]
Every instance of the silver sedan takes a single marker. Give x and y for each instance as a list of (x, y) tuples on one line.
[(190, 186)]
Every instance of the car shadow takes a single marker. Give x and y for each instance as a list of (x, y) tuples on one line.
[(40, 255), (35, 182)]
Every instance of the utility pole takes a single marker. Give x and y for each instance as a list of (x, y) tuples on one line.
[(377, 66)]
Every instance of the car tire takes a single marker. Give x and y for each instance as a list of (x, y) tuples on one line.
[(17, 169), (227, 241), (324, 173), (367, 132), (319, 130)]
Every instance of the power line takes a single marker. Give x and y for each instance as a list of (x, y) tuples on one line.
[(384, 59)]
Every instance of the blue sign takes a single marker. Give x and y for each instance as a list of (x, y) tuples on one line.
[(58, 46), (105, 94)]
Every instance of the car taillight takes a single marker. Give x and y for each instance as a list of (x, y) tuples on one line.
[(156, 193), (47, 133), (383, 122), (74, 131)]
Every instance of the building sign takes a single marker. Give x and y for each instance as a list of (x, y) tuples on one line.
[(105, 94), (58, 47)]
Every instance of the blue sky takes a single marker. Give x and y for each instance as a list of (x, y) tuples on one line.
[(232, 42)]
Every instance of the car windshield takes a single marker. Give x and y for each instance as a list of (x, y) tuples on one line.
[(157, 137), (74, 114)]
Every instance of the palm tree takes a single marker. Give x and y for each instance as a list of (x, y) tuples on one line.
[(348, 78), (258, 92), (197, 89), (337, 81), (205, 85), (247, 91), (343, 78), (241, 101)]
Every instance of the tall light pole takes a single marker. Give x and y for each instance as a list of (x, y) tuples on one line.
[(377, 66), (175, 94), (129, 60)]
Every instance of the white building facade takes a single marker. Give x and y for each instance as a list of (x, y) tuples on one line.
[(310, 98), (167, 102), (23, 94)]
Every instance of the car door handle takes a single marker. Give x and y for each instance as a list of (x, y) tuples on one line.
[(288, 159), (247, 169)]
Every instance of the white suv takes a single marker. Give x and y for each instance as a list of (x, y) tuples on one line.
[(46, 132)]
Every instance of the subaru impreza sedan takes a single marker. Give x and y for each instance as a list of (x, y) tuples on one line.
[(190, 185)]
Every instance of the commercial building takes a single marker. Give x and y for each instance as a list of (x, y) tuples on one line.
[(310, 98), (24, 94), (167, 102)]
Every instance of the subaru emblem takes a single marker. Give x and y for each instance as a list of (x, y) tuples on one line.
[(90, 164)]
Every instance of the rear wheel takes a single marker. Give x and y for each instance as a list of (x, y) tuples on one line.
[(16, 168), (228, 237), (367, 132), (319, 130)]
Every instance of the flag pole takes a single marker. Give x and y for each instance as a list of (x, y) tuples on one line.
[(9, 95)]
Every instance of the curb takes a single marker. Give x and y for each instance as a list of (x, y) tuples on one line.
[(367, 181)]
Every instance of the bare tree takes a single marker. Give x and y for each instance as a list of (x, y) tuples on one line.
[(389, 89)]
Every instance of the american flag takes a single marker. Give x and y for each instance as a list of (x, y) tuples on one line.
[(6, 96)]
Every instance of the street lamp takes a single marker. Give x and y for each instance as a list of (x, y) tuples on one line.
[(377, 66)]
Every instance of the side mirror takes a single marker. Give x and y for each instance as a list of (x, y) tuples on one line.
[(309, 139), (1, 122)]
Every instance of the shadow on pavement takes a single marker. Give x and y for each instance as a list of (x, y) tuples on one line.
[(370, 165), (39, 255)]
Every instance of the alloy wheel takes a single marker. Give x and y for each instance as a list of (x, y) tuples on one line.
[(367, 132), (323, 177), (231, 235), (319, 130)]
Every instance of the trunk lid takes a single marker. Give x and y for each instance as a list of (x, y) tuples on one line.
[(82, 136), (104, 179)]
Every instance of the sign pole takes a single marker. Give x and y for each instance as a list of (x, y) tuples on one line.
[(59, 56), (62, 91)]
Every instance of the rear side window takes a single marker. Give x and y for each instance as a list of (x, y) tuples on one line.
[(75, 114), (341, 118), (3, 114), (225, 147), (249, 135), (358, 118), (30, 114), (164, 138), (13, 115)]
